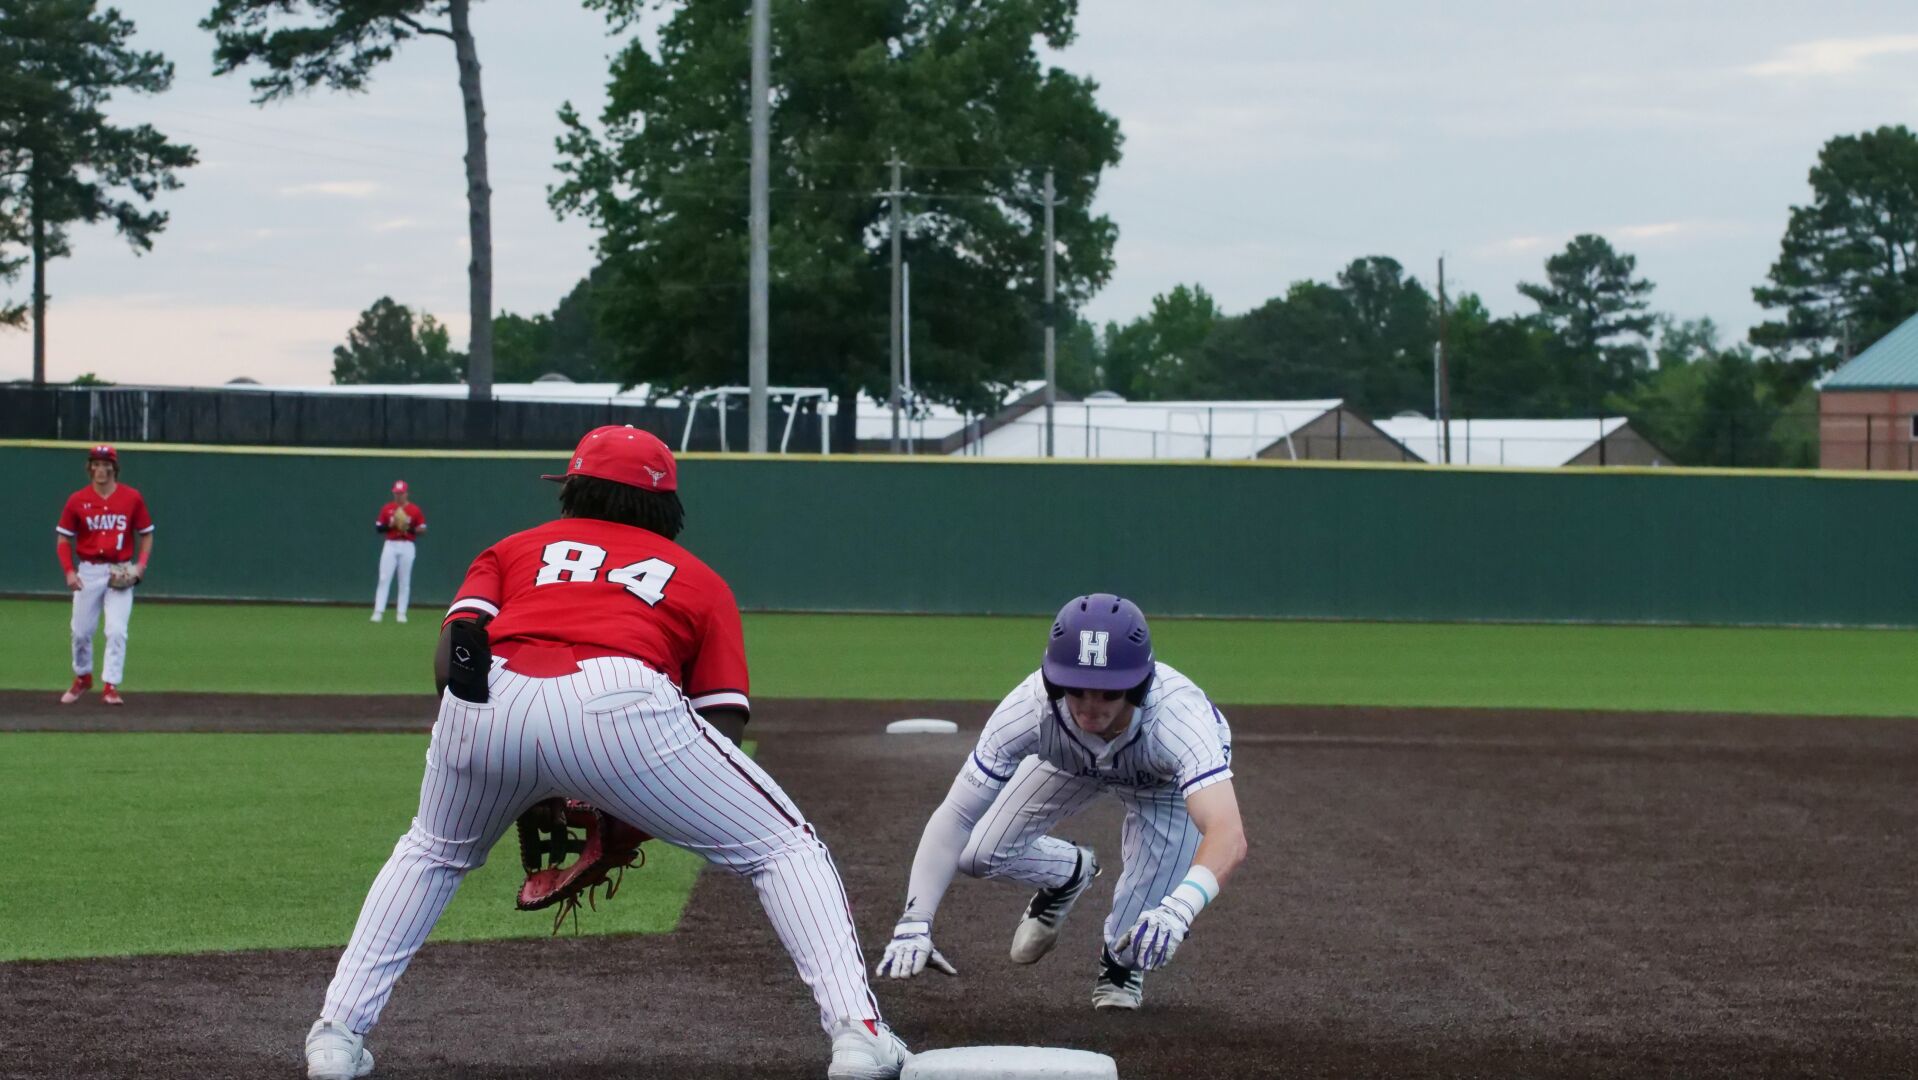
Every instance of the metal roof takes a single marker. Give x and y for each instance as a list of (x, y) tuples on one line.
[(1890, 364), (1532, 443)]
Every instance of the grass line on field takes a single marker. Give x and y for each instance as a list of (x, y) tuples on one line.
[(201, 843), (261, 648)]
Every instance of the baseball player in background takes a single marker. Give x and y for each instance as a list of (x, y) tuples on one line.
[(616, 675), (1100, 717), (96, 543), (401, 522)]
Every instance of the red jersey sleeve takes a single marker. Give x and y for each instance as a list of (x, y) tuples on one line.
[(480, 593), (70, 522), (418, 514), (384, 518), (716, 677), (141, 520)]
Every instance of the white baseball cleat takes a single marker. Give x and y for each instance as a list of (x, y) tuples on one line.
[(1046, 912), (400, 618), (1118, 986), (333, 1052), (377, 616), (866, 1050)]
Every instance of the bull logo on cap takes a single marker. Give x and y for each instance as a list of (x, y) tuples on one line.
[(658, 475)]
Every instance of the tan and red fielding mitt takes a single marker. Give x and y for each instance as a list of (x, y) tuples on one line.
[(600, 846)]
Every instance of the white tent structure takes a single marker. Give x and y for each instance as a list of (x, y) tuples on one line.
[(1117, 429), (1523, 443)]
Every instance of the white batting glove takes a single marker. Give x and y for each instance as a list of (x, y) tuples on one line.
[(1153, 940), (911, 950)]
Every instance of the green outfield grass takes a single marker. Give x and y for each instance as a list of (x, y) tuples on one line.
[(197, 843), (269, 648)]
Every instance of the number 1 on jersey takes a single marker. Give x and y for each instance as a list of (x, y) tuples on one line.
[(571, 561)]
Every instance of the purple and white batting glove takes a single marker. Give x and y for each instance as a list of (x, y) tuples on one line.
[(911, 950), (1153, 940)]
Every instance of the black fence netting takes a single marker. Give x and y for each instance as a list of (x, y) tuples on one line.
[(383, 421)]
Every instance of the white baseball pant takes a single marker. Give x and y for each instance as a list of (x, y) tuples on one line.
[(1158, 842), (622, 737), (395, 557), (90, 602)]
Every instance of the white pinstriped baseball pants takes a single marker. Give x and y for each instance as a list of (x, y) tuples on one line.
[(1158, 841), (622, 737)]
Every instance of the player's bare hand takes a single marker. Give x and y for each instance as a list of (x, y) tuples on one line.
[(1153, 940), (910, 951), (73, 581)]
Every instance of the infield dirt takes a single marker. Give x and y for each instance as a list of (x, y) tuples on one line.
[(1431, 893)]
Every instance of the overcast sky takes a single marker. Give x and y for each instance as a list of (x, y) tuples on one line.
[(1265, 142)]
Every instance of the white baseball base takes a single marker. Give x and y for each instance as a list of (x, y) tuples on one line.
[(921, 727), (1009, 1063)]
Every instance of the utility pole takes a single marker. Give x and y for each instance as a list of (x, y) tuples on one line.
[(1444, 383), (756, 377), (897, 339), (1052, 381), (905, 350)]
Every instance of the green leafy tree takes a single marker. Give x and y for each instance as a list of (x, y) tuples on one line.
[(389, 346), (1394, 329), (339, 48), (1847, 267), (1708, 405), (1503, 367), (1598, 311), (61, 161), (1151, 358), (1367, 339), (954, 89), (568, 342)]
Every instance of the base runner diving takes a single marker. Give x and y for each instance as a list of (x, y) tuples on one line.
[(1101, 717)]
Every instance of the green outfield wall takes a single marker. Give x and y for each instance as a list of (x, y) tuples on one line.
[(969, 536)]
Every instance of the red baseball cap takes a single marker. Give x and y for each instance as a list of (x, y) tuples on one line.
[(103, 452), (399, 487), (624, 455)]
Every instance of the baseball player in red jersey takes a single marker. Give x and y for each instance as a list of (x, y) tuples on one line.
[(401, 522), (617, 675), (96, 549)]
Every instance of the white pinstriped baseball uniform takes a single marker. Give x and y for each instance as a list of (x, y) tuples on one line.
[(1033, 767), (613, 731)]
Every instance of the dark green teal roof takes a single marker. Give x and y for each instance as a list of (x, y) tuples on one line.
[(1890, 364)]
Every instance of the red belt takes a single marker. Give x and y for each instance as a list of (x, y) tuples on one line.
[(549, 661)]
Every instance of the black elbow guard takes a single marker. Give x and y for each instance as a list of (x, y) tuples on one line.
[(470, 662)]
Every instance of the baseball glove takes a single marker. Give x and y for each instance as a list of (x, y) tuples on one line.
[(402, 521), (602, 846), (123, 575)]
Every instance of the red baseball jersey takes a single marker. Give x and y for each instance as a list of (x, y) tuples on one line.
[(384, 522), (102, 528), (617, 590)]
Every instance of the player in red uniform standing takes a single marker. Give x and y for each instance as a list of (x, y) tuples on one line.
[(595, 658), (97, 530), (401, 522)]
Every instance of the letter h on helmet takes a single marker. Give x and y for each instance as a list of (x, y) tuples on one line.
[(1099, 642)]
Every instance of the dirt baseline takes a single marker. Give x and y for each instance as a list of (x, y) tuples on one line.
[(1431, 893)]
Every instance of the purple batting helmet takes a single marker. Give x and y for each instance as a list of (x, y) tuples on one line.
[(1099, 642)]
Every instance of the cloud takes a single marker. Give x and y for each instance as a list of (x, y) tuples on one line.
[(1653, 232), (1515, 245), (396, 224), (1832, 56), (345, 189)]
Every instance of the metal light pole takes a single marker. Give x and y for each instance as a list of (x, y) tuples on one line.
[(1052, 381), (896, 329), (756, 365)]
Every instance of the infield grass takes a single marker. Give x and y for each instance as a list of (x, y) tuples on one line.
[(293, 649), (199, 843)]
